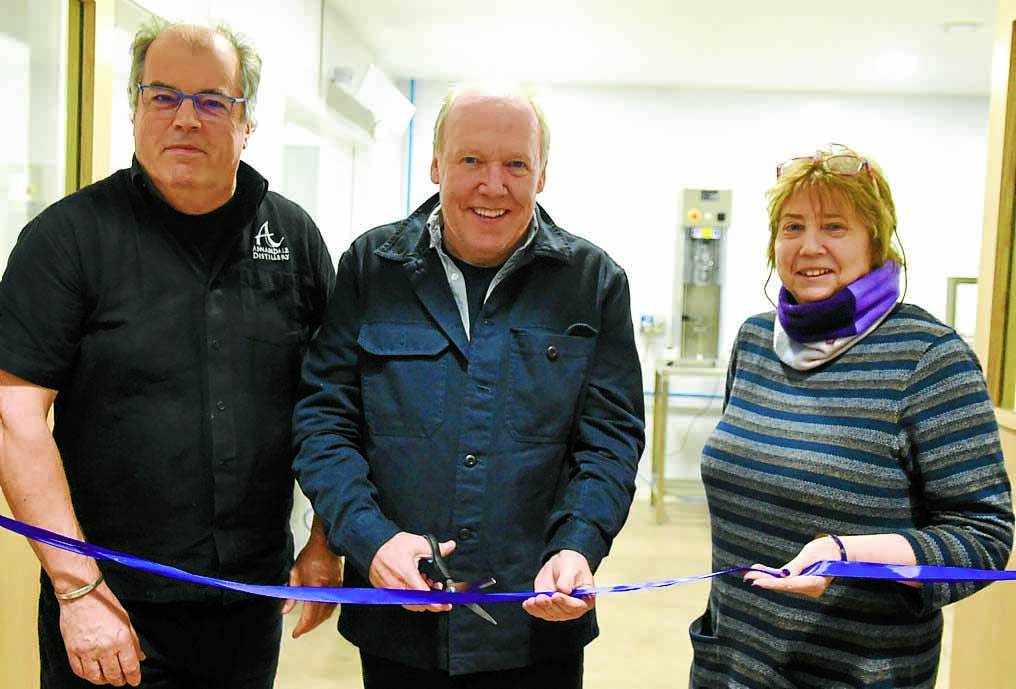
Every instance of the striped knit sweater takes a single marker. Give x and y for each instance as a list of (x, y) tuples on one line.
[(895, 435)]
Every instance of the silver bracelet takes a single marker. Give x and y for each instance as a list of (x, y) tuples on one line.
[(81, 592)]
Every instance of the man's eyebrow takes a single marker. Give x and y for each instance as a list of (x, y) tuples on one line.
[(212, 89), (474, 151)]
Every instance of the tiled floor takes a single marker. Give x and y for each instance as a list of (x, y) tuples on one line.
[(644, 639)]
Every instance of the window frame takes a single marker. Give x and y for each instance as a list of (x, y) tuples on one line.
[(89, 85), (995, 337)]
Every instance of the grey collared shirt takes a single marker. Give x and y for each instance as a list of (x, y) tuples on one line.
[(435, 226)]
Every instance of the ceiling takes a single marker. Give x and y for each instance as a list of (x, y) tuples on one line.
[(861, 46)]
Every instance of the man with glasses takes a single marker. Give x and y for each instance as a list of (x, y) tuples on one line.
[(163, 312)]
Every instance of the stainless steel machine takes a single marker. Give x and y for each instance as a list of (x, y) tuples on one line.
[(705, 220)]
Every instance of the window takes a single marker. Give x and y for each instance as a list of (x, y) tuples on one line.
[(961, 305), (33, 70)]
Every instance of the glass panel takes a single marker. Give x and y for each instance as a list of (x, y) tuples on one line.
[(33, 118), (33, 71)]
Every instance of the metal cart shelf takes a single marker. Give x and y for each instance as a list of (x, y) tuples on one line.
[(663, 406)]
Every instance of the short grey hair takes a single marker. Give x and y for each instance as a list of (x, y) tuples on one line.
[(524, 92), (247, 56)]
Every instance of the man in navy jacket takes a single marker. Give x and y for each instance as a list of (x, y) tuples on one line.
[(478, 380)]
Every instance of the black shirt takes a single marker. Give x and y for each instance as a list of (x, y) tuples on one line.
[(175, 344), (477, 279)]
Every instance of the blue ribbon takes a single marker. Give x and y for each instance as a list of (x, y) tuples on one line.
[(924, 573), (857, 570)]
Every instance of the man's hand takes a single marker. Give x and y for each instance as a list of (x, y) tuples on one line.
[(396, 565), (102, 646), (563, 573), (316, 565)]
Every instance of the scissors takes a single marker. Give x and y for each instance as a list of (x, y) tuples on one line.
[(449, 583)]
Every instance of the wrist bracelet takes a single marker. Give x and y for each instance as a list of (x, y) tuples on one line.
[(81, 592), (839, 544)]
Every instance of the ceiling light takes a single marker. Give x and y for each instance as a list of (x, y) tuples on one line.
[(962, 26)]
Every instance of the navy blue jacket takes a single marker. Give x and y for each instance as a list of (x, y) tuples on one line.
[(518, 442)]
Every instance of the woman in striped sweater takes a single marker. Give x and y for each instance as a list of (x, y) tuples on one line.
[(849, 414)]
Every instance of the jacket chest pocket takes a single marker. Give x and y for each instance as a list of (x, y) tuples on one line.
[(404, 380), (546, 373), (271, 307)]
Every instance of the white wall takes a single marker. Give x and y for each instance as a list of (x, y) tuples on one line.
[(620, 157)]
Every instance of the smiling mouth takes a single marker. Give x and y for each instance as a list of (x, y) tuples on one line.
[(818, 272), (490, 212)]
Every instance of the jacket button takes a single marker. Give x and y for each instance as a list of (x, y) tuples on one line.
[(220, 405), (216, 344), (470, 461), (552, 352), (465, 534)]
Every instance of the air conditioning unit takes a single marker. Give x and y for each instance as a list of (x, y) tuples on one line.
[(368, 99)]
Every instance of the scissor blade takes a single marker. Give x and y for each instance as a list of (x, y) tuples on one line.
[(470, 586), (481, 612)]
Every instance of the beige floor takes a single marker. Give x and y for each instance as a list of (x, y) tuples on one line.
[(644, 638)]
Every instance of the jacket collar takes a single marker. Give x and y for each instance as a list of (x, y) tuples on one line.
[(411, 239)]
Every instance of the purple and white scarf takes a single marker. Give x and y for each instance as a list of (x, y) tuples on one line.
[(808, 335)]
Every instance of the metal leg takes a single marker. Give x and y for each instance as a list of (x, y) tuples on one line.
[(661, 396)]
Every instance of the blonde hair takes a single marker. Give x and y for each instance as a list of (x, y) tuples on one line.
[(247, 56), (524, 92), (867, 192)]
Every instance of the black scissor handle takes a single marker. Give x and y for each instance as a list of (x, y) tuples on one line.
[(449, 583), (436, 559)]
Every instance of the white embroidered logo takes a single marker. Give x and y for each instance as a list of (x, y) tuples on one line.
[(267, 248)]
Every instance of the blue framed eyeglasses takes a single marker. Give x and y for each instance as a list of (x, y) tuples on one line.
[(167, 100)]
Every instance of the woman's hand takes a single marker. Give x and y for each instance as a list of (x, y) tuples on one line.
[(789, 579), (888, 549)]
